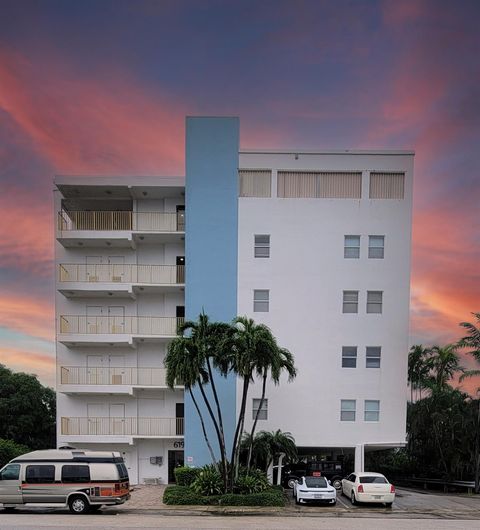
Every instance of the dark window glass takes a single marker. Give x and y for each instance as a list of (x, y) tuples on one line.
[(11, 472), (122, 471), (349, 356), (316, 482), (75, 473), (373, 480), (40, 474)]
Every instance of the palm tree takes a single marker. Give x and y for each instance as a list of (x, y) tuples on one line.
[(184, 366), (418, 369), (472, 341), (444, 364)]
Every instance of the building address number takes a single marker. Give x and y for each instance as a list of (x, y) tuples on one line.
[(178, 445)]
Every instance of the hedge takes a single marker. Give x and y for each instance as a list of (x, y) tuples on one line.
[(183, 495), (10, 450), (184, 476)]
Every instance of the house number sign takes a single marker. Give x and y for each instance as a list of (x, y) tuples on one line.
[(178, 445)]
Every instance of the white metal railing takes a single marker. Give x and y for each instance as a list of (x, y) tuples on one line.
[(128, 426), (112, 375), (122, 273), (131, 325), (121, 220)]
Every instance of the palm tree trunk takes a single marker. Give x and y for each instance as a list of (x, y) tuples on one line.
[(217, 403), (239, 431), (221, 444), (212, 454), (252, 432), (477, 452)]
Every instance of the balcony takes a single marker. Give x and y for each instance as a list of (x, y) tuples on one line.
[(112, 380), (133, 427), (121, 280), (118, 228), (83, 330)]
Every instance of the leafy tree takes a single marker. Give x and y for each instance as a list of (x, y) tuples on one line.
[(269, 445), (27, 410), (444, 364), (10, 450)]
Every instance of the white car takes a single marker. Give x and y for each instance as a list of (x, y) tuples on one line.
[(318, 489), (368, 487)]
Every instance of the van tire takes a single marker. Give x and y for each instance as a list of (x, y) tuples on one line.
[(78, 504)]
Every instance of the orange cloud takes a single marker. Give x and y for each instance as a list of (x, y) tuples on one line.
[(28, 315), (31, 362), (109, 125)]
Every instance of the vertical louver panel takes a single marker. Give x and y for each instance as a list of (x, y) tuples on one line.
[(255, 183), (324, 185), (387, 185)]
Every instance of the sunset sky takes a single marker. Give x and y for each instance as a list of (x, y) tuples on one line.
[(103, 87)]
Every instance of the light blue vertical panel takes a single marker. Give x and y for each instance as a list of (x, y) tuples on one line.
[(211, 256)]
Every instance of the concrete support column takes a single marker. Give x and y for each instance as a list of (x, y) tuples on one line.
[(359, 458)]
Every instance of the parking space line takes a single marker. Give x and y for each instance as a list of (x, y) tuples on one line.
[(343, 501)]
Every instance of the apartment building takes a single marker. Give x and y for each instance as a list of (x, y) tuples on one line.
[(315, 244)]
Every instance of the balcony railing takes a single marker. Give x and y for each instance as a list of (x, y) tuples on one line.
[(130, 325), (100, 375), (122, 273), (121, 220), (122, 426)]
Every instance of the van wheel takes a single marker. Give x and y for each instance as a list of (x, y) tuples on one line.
[(337, 483), (291, 482), (78, 504)]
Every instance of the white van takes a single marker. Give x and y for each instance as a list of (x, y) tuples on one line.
[(83, 480)]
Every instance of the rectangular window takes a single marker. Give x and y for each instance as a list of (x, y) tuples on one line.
[(262, 246), (373, 356), (347, 410), (261, 300), (320, 185), (255, 183), (376, 245), (374, 301), (351, 247), (349, 356), (350, 301), (40, 474), (263, 414), (372, 410), (75, 473), (387, 185)]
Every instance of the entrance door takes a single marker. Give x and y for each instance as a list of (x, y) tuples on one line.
[(94, 319), (116, 368), (181, 218), (179, 417), (175, 459), (97, 421), (93, 268), (180, 269), (116, 319), (116, 268), (180, 314), (95, 370), (10, 485), (117, 418)]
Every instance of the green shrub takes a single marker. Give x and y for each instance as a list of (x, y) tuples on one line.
[(182, 495), (251, 483), (208, 481), (266, 498), (10, 450), (184, 476)]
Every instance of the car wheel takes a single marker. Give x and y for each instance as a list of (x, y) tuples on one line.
[(388, 504), (291, 482), (337, 483), (352, 498), (78, 505), (334, 502), (297, 501)]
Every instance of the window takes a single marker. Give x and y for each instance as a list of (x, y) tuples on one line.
[(372, 410), (350, 301), (261, 299), (255, 183), (373, 356), (262, 246), (122, 471), (374, 301), (11, 472), (263, 413), (75, 473), (349, 356), (351, 247), (40, 474), (322, 185), (387, 185), (376, 246), (347, 410)]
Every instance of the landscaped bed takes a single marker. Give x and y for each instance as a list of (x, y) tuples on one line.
[(184, 495)]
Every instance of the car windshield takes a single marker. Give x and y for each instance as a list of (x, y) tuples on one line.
[(373, 480), (316, 482)]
